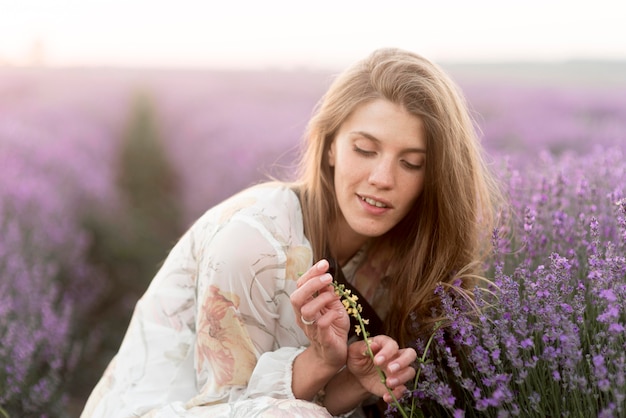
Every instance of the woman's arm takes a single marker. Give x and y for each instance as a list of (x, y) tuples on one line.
[(314, 300), (343, 393), (247, 339), (216, 326)]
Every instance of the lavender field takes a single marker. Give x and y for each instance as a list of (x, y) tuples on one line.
[(101, 171)]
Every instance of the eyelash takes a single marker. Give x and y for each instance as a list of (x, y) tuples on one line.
[(411, 166), (363, 152), (406, 164)]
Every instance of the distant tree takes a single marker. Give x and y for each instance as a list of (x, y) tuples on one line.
[(131, 241), (148, 187)]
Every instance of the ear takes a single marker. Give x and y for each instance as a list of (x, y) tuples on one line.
[(331, 154)]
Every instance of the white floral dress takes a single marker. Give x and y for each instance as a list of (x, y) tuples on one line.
[(215, 334)]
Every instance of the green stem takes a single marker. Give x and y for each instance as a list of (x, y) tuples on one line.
[(370, 353), (422, 360), (4, 413), (381, 373)]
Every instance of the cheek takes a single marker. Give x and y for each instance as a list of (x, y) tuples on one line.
[(415, 191), (351, 162), (420, 188), (340, 161)]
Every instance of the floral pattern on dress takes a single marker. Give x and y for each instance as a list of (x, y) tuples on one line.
[(223, 341), (215, 334), (298, 261)]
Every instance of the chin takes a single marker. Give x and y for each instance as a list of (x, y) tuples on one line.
[(369, 231)]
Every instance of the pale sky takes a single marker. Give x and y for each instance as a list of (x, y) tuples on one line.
[(314, 33)]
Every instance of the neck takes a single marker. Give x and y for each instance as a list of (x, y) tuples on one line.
[(344, 242)]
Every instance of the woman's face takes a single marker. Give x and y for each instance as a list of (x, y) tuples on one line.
[(378, 156)]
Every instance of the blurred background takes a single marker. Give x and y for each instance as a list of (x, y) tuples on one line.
[(122, 121)]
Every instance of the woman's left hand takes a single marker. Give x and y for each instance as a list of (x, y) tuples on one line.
[(321, 315), (392, 360)]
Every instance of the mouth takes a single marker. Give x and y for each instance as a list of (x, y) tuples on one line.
[(374, 202)]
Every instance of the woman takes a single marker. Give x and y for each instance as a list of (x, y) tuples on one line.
[(242, 320)]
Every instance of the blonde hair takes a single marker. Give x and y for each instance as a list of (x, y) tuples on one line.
[(446, 234)]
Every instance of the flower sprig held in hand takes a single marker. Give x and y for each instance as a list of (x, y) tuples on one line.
[(354, 308)]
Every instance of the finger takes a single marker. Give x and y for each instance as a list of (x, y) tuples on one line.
[(388, 349), (309, 290), (333, 318), (359, 348), (312, 307), (398, 392), (405, 358), (400, 378), (328, 319), (375, 346), (314, 287), (317, 269)]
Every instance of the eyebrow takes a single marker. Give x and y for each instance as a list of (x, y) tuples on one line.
[(374, 139)]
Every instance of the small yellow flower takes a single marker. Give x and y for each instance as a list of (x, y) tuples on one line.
[(353, 308)]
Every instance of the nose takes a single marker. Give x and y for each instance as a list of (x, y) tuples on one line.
[(382, 174)]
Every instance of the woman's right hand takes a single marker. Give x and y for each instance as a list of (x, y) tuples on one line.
[(321, 315), (396, 363)]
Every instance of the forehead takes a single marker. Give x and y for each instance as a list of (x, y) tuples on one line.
[(383, 121)]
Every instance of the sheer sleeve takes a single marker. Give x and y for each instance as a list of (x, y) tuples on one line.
[(215, 334), (247, 335)]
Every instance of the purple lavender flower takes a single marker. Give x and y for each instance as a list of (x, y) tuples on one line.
[(550, 337), (55, 165)]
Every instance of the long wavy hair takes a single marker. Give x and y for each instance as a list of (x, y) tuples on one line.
[(446, 235)]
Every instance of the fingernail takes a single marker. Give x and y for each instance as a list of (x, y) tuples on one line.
[(379, 359), (322, 265), (326, 278), (393, 367), (392, 382)]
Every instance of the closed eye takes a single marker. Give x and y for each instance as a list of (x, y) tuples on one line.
[(411, 166), (363, 151)]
